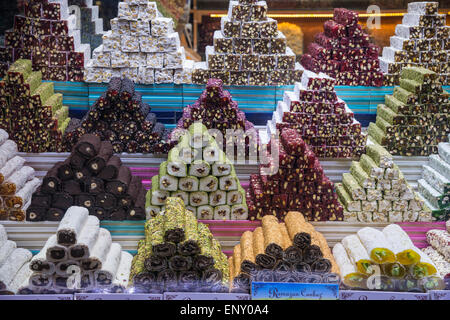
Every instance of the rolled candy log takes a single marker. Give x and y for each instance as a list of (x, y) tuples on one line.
[(145, 280), (376, 244), (405, 251), (241, 283), (87, 281), (40, 280), (189, 281), (321, 265), (24, 195), (155, 263), (14, 164), (95, 185), (98, 163), (86, 240), (51, 182), (99, 252), (39, 262), (180, 263), (248, 264), (111, 169), (273, 240), (77, 161), (3, 136), (190, 245), (81, 174), (120, 282), (127, 200), (118, 214), (85, 200), (6, 248), (138, 211), (175, 225), (71, 225), (357, 254), (17, 180), (107, 274), (55, 252), (65, 171), (424, 268), (293, 255), (211, 277), (119, 185), (88, 145), (62, 200), (72, 187), (301, 267), (8, 150), (21, 276), (167, 280), (12, 265), (394, 270)]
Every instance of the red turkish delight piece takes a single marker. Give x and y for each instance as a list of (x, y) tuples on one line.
[(59, 28), (345, 17), (51, 11), (334, 29), (308, 62), (280, 200), (326, 42)]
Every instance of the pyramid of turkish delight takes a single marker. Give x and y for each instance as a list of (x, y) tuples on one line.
[(47, 35), (178, 254), (375, 190), (91, 26), (421, 40), (91, 177), (79, 246), (121, 117), (248, 50), (14, 264), (17, 182), (434, 187), (198, 171), (414, 119), (32, 114), (323, 120), (344, 52), (290, 251), (141, 45), (216, 109), (294, 181)]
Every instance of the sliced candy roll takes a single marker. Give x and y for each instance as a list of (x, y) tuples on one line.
[(239, 212), (13, 165), (208, 184), (8, 150), (166, 181), (199, 168), (358, 254), (86, 240), (189, 184), (350, 276), (51, 182), (119, 186), (56, 252), (88, 146), (62, 200), (12, 265), (137, 212), (157, 196), (376, 244), (353, 187), (361, 176), (440, 241), (65, 170), (6, 248), (218, 197), (72, 187), (98, 163), (424, 268), (401, 244), (77, 160), (39, 262), (111, 169), (370, 167), (120, 282), (107, 274), (192, 209), (346, 200), (99, 252), (40, 280), (81, 174), (394, 270), (105, 200), (63, 267), (85, 200), (21, 276), (220, 169), (23, 195), (71, 225), (236, 196), (228, 183), (222, 212), (198, 135), (175, 165), (212, 153), (205, 212), (198, 198), (181, 194)]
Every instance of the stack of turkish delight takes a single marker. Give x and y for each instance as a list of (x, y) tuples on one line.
[(93, 178), (434, 187), (178, 254), (415, 118), (375, 190), (32, 114), (422, 39), (14, 264), (17, 182), (439, 252), (198, 171), (47, 35), (141, 45), (80, 257), (323, 120), (344, 52), (91, 26), (216, 109), (248, 50), (121, 117), (294, 181)]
